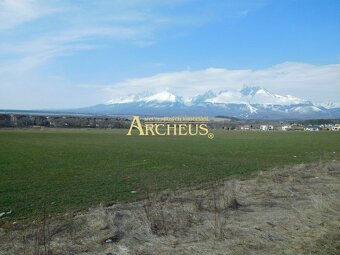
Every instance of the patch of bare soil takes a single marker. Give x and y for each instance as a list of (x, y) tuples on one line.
[(295, 210)]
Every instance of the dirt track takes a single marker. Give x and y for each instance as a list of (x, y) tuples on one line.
[(295, 210)]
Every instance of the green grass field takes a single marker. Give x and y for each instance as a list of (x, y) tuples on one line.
[(75, 169)]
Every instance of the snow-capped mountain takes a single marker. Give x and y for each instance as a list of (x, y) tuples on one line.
[(254, 95), (160, 97), (248, 102), (329, 105)]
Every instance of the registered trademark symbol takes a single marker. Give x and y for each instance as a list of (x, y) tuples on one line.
[(211, 136)]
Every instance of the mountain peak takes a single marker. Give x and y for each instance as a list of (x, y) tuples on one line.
[(203, 97), (163, 96), (158, 97), (251, 90), (329, 105), (248, 102)]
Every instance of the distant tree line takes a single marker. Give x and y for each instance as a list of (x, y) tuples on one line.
[(68, 121), (22, 121), (320, 121)]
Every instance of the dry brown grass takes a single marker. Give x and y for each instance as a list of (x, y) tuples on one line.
[(293, 210)]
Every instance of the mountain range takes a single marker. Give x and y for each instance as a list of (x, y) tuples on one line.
[(246, 103)]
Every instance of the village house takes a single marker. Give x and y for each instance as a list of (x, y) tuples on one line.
[(266, 127), (336, 127), (312, 128), (245, 127), (286, 128)]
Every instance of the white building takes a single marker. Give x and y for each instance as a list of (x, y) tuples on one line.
[(266, 127), (245, 127), (336, 127), (312, 128), (286, 128)]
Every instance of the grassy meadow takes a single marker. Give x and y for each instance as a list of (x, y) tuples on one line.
[(70, 169)]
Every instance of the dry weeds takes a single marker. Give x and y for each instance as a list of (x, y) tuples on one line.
[(294, 210)]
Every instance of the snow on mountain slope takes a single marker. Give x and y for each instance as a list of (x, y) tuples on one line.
[(306, 109), (252, 109), (254, 95), (160, 97), (227, 97), (248, 102), (201, 98), (329, 105), (124, 100), (247, 95)]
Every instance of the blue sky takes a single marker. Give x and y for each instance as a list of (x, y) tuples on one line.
[(57, 54)]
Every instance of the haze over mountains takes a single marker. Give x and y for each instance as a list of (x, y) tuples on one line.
[(246, 103)]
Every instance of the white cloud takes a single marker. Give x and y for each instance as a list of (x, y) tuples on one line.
[(139, 22), (39, 50), (15, 12), (317, 83), (79, 28)]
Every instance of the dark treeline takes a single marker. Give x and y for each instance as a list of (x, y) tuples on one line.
[(22, 121), (67, 121), (320, 121)]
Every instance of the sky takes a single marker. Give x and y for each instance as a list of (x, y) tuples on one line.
[(64, 54)]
